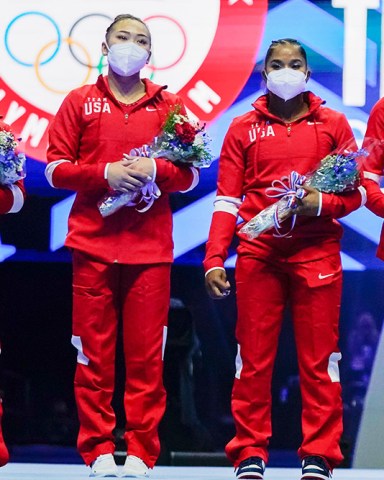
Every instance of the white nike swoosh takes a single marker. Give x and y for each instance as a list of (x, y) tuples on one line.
[(313, 466), (313, 123), (149, 109), (321, 276)]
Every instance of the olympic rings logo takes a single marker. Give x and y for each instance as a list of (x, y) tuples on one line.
[(47, 52), (148, 21)]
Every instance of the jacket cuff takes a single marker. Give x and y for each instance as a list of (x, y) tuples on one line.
[(214, 268), (102, 170), (18, 199), (161, 168), (320, 207), (212, 264)]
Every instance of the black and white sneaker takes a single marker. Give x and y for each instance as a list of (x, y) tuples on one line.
[(251, 468), (315, 468)]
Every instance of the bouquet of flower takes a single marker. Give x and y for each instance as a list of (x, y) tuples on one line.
[(337, 173), (12, 164), (181, 141)]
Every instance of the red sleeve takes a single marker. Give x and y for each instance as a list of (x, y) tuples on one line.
[(340, 205), (171, 178), (7, 197), (375, 197), (221, 232), (64, 139), (79, 177), (373, 139), (374, 163), (231, 165), (230, 185)]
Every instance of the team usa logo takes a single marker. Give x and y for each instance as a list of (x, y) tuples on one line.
[(256, 131), (96, 105), (56, 47)]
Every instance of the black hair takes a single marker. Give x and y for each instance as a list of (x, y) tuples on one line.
[(285, 41), (126, 16)]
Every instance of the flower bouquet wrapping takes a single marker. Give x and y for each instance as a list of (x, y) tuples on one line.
[(12, 164), (338, 172), (181, 141)]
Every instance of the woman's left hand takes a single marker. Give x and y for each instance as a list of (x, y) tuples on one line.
[(139, 164), (309, 204)]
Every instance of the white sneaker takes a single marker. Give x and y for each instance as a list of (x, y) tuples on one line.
[(135, 467), (104, 466)]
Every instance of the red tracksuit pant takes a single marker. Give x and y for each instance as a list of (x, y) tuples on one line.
[(139, 295), (313, 291), (4, 456)]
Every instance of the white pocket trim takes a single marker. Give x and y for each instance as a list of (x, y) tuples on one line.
[(238, 363), (77, 343), (333, 367), (165, 333)]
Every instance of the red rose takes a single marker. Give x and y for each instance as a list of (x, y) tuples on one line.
[(186, 132)]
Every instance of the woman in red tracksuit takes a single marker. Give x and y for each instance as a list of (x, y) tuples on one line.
[(288, 129), (374, 165), (121, 263), (11, 201)]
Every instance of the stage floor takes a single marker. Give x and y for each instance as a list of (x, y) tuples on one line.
[(38, 471)]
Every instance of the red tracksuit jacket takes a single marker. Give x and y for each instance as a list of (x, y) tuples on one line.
[(259, 148), (91, 129), (374, 166)]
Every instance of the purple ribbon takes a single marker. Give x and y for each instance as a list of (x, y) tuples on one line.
[(144, 151), (150, 192), (290, 187)]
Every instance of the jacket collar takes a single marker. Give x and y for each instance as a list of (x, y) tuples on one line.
[(314, 103), (152, 89)]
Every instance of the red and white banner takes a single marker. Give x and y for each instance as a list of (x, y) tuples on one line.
[(203, 50)]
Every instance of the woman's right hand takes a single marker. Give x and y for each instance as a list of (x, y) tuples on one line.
[(123, 178), (217, 284)]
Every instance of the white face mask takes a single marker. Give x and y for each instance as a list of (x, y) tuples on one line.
[(127, 58), (286, 83)]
